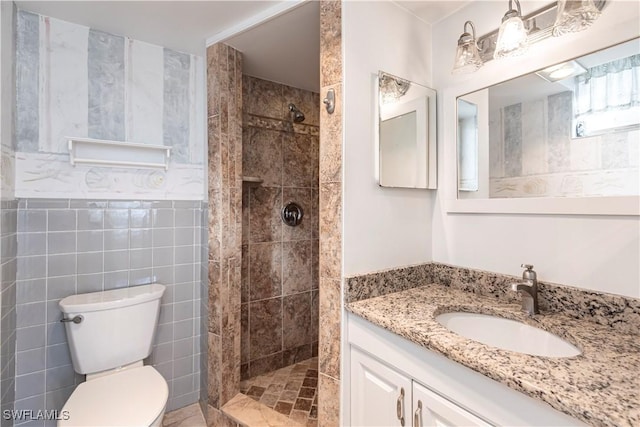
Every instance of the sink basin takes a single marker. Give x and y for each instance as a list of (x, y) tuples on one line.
[(507, 334)]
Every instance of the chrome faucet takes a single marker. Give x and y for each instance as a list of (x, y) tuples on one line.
[(529, 289)]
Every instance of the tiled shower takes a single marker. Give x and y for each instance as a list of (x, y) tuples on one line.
[(279, 304)]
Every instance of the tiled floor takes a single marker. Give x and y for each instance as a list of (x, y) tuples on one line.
[(189, 416), (291, 391)]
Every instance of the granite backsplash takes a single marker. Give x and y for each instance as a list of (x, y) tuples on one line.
[(619, 312)]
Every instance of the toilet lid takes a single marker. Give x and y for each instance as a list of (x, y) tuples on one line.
[(134, 397)]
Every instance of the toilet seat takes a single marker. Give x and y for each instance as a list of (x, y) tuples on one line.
[(133, 397)]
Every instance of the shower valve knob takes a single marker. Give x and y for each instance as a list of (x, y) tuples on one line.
[(292, 214)]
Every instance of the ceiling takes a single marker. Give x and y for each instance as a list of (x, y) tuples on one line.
[(432, 11), (179, 25), (285, 49), (280, 40)]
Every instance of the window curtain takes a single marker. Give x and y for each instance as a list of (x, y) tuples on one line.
[(608, 87)]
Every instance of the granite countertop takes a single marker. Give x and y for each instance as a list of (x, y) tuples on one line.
[(600, 386)]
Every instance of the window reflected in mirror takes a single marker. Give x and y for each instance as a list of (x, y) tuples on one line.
[(571, 130)]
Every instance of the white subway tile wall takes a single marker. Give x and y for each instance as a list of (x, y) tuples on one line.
[(203, 310), (67, 247), (8, 297)]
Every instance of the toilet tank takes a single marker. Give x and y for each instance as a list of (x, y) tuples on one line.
[(117, 326)]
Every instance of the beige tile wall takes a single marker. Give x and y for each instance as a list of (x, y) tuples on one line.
[(330, 177), (224, 88), (280, 263)]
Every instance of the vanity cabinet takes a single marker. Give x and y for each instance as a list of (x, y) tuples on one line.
[(431, 409), (383, 396), (394, 380), (379, 393)]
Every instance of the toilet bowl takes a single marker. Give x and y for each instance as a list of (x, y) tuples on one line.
[(109, 334), (133, 397)]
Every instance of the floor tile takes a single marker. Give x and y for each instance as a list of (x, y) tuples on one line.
[(290, 391), (189, 416)]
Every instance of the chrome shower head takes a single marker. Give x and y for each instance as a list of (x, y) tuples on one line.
[(298, 116)]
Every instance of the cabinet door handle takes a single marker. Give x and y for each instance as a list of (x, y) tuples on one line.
[(400, 407), (417, 416)]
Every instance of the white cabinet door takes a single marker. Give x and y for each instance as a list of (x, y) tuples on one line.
[(380, 396), (431, 409)]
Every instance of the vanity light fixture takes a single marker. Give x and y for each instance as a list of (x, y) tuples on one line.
[(574, 15), (467, 55), (512, 35), (561, 71)]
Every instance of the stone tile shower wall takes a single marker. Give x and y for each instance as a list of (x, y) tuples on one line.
[(68, 247), (279, 262), (330, 217), (224, 91)]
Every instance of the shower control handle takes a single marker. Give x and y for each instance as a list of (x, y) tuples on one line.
[(292, 214), (76, 319)]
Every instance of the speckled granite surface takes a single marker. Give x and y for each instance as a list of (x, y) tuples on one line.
[(600, 387), (620, 313)]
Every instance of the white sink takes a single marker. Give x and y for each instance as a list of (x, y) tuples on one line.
[(507, 334)]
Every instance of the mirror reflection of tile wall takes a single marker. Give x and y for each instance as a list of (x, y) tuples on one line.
[(532, 154)]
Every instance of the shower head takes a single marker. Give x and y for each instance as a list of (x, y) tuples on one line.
[(298, 116)]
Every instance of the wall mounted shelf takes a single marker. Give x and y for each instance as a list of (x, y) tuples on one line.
[(252, 180), (100, 152)]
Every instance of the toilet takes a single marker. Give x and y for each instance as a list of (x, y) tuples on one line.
[(109, 335)]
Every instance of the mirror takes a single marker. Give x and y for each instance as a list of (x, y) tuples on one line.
[(571, 130), (406, 133), (468, 180)]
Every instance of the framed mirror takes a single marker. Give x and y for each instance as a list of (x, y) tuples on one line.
[(571, 130), (406, 133)]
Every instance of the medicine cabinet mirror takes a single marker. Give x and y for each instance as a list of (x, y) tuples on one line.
[(406, 133), (569, 131)]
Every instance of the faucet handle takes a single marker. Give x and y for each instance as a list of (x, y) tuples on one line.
[(529, 274)]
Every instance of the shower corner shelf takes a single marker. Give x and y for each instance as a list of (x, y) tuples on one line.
[(101, 152), (252, 180)]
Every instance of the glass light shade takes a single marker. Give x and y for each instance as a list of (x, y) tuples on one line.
[(512, 38), (574, 15), (467, 58)]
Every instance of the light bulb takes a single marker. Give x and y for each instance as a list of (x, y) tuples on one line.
[(512, 36)]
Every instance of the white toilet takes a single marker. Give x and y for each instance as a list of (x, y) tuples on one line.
[(109, 335)]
